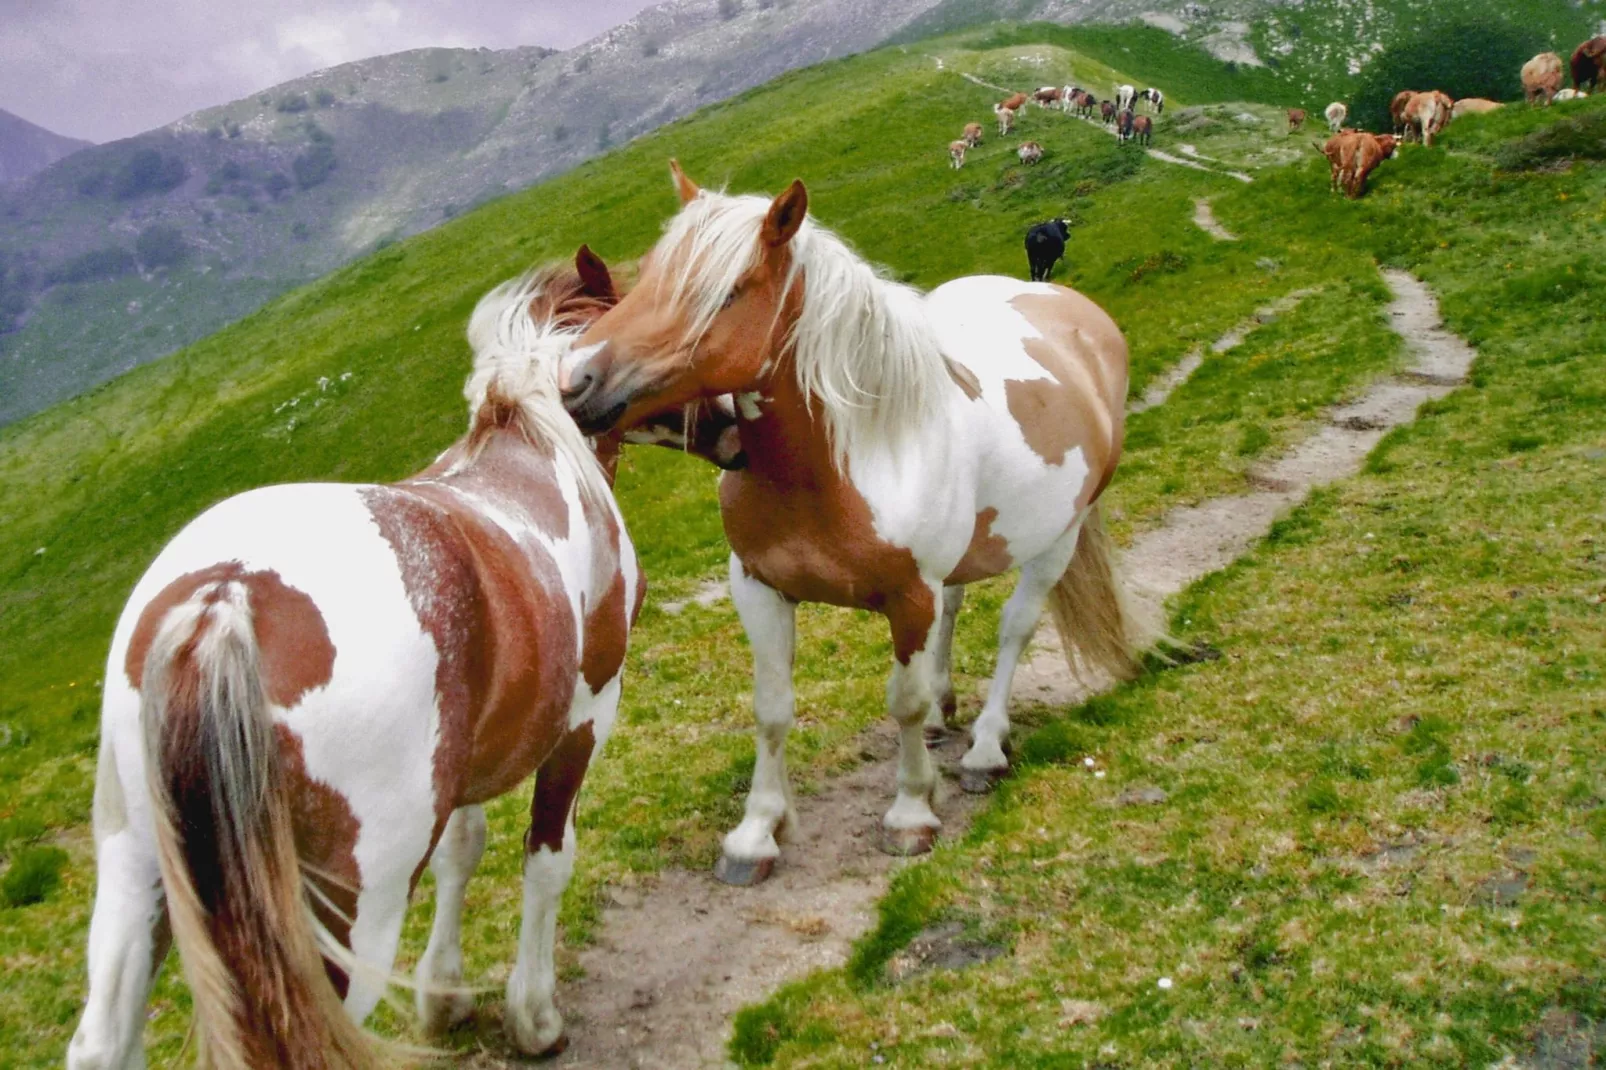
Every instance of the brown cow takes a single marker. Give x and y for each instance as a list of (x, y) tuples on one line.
[(956, 153), (972, 135), (1296, 119), (1397, 112), (1107, 111), (1541, 77), (1428, 114), (1473, 106), (1048, 96), (1142, 128), (1370, 150), (1030, 152), (1014, 103), (1589, 64), (1340, 152)]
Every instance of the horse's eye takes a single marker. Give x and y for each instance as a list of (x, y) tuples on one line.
[(730, 299)]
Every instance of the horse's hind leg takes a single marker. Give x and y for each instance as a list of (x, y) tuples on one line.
[(128, 933), (985, 762), (940, 714), (442, 1001), (531, 1017)]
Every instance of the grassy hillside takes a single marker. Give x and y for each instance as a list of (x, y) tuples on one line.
[(359, 377), (1379, 835)]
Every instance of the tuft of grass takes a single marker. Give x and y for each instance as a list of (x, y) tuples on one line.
[(34, 873)]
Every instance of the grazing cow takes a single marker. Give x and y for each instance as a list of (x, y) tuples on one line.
[(1108, 112), (972, 134), (956, 153), (1339, 150), (1567, 94), (1369, 151), (1125, 97), (1335, 114), (1154, 98), (1476, 106), (1296, 119), (1426, 114), (1142, 127), (1006, 119), (1397, 112), (1541, 77), (1030, 152), (1045, 245), (1014, 103), (1068, 97), (1589, 65), (1084, 103), (1124, 124), (1048, 96)]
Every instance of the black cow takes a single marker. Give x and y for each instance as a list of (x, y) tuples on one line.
[(1045, 244)]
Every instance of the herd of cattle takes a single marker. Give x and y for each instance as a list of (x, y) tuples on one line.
[(1119, 115), (1352, 154)]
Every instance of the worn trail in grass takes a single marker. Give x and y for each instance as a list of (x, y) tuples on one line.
[(675, 960)]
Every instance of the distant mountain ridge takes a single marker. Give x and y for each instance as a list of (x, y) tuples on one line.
[(27, 148), (121, 253)]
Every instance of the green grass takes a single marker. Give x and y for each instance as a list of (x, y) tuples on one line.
[(1407, 715), (100, 483)]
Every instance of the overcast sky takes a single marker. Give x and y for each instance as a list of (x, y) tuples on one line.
[(105, 69)]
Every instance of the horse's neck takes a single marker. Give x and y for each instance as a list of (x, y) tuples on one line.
[(785, 437)]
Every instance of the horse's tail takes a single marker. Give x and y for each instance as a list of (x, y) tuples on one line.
[(1104, 632), (243, 927)]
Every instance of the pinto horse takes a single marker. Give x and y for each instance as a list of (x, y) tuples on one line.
[(898, 445), (313, 689)]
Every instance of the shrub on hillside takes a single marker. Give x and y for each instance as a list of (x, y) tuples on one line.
[(276, 184), (293, 103), (108, 263), (1582, 137), (1473, 58), (147, 171), (729, 9), (313, 167), (324, 97), (161, 245)]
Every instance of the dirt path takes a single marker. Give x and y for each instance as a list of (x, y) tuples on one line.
[(675, 961), (1205, 220)]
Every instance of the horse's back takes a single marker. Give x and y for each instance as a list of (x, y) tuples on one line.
[(1046, 404)]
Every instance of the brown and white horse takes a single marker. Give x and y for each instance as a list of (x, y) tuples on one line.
[(313, 689), (899, 446)]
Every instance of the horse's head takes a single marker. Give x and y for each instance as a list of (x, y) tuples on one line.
[(714, 305)]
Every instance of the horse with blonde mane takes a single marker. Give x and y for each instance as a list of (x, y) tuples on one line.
[(313, 689), (899, 446)]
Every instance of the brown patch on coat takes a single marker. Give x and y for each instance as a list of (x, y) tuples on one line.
[(800, 527), (1082, 404), (607, 620), (1014, 103), (326, 831), (557, 787), (293, 645), (987, 555), (963, 378)]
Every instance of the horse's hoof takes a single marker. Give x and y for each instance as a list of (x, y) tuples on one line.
[(903, 843), (556, 1048), (937, 735), (980, 781), (743, 872)]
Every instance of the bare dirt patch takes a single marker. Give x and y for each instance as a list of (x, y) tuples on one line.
[(1205, 219)]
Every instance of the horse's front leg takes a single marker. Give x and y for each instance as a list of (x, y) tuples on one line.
[(940, 713), (911, 825), (771, 625)]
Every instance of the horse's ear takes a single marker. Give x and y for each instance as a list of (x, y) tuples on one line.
[(685, 188), (786, 215), (595, 278)]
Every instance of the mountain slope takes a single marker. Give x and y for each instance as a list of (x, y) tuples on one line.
[(287, 184), (26, 149)]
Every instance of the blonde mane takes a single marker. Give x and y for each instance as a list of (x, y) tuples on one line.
[(519, 332), (862, 345)]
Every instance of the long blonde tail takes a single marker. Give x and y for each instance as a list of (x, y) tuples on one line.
[(240, 917), (1105, 633)]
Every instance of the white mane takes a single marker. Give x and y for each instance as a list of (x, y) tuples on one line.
[(862, 345), (516, 360)]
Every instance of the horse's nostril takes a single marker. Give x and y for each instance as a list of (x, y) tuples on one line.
[(579, 386)]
